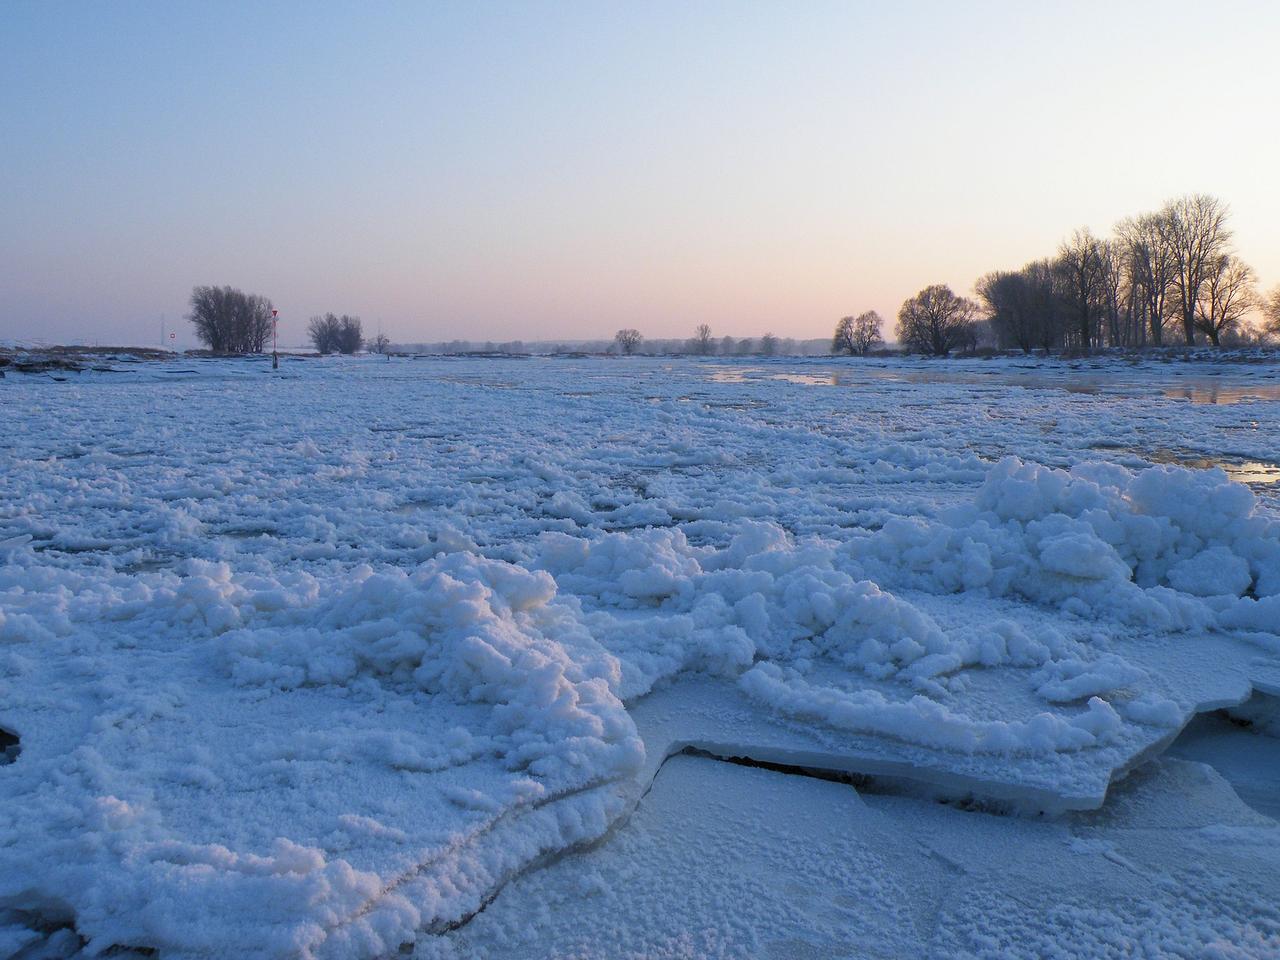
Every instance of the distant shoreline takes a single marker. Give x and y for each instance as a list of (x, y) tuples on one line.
[(74, 357)]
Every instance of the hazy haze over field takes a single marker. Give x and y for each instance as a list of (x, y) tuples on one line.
[(557, 171)]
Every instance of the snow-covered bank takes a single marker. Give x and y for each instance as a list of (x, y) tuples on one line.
[(311, 663)]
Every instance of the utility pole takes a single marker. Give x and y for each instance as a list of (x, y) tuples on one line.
[(275, 352)]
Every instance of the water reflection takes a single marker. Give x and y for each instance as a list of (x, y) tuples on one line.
[(1252, 472), (1218, 393), (1196, 391), (810, 379)]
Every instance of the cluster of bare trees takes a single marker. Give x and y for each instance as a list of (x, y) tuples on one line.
[(227, 320), (334, 334), (857, 335), (768, 345), (1169, 274), (703, 344)]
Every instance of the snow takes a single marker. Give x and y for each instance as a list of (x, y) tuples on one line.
[(322, 662)]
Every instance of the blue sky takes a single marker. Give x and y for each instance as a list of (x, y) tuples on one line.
[(537, 170)]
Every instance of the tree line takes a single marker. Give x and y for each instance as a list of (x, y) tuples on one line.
[(1166, 276), (1170, 275), (704, 344)]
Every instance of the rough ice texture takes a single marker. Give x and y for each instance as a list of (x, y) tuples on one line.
[(312, 665)]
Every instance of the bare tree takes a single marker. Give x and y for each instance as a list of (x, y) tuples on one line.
[(727, 346), (857, 334), (1023, 307), (213, 317), (866, 331), (936, 321), (1195, 229), (1150, 262), (768, 345), (1003, 293), (1110, 292), (1049, 316), (1080, 270), (628, 340), (1227, 295), (702, 339), (379, 344), (227, 320), (253, 323), (323, 333), (842, 340)]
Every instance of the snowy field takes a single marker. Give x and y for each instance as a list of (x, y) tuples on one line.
[(640, 658)]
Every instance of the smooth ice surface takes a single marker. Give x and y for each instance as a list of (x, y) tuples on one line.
[(322, 662), (730, 861)]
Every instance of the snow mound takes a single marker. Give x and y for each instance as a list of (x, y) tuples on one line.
[(1166, 547), (229, 764), (470, 630), (663, 606)]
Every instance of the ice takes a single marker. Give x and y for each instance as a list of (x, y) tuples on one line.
[(1243, 744), (730, 861), (330, 661)]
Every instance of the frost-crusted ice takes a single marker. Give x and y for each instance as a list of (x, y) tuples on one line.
[(305, 665)]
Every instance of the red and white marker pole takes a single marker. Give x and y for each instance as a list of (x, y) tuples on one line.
[(275, 353)]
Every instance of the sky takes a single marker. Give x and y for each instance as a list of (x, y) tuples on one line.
[(547, 171)]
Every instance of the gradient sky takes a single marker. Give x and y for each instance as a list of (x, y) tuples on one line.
[(541, 171)]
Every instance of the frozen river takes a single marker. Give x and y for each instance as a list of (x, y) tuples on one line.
[(640, 657)]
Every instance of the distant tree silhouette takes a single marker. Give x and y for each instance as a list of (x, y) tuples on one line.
[(334, 334), (379, 344), (702, 339), (628, 340), (768, 345)]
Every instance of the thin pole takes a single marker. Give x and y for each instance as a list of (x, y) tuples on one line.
[(275, 352)]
